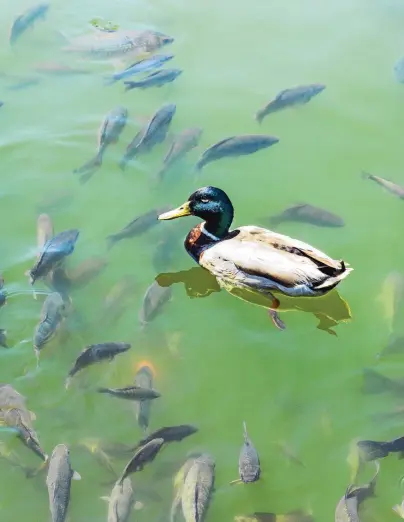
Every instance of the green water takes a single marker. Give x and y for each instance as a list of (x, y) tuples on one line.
[(301, 386)]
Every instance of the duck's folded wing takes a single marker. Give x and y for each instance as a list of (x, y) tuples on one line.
[(238, 259)]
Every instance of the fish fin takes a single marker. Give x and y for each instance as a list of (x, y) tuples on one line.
[(237, 481), (106, 499), (399, 510), (76, 476), (365, 175), (138, 505)]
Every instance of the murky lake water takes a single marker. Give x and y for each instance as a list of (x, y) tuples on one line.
[(218, 360)]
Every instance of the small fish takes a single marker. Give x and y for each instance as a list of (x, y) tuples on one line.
[(198, 488), (3, 338), (372, 450), (348, 506), (397, 190), (168, 434), (111, 128), (178, 483), (155, 79), (289, 98), (305, 213), (146, 453), (45, 231), (54, 251), (26, 20), (58, 482), (136, 227), (374, 383), (182, 144), (156, 297), (86, 271), (293, 516), (95, 353), (152, 134), (249, 468), (52, 314), (235, 146), (20, 420), (120, 502), (131, 393), (144, 379), (147, 64)]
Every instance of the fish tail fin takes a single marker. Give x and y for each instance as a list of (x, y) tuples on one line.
[(109, 80), (245, 433), (199, 166), (91, 165), (129, 85), (274, 221), (374, 382), (259, 116), (399, 510), (366, 175), (397, 445), (102, 390), (111, 240)]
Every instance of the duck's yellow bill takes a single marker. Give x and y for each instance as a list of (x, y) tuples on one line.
[(181, 211)]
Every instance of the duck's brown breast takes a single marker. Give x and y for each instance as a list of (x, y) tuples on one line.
[(196, 242)]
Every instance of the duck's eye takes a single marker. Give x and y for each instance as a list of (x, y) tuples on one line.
[(204, 200)]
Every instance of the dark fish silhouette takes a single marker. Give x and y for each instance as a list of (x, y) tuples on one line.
[(374, 382), (305, 213), (289, 98), (249, 468), (144, 379), (235, 146), (26, 20), (53, 311), (54, 251), (146, 453), (153, 133), (131, 393), (156, 297), (155, 79), (111, 128), (397, 190), (168, 434), (96, 353), (182, 144), (372, 450), (154, 62), (3, 295)]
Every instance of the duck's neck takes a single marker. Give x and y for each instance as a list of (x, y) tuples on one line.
[(217, 226)]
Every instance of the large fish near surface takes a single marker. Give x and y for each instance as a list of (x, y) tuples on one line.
[(305, 213), (289, 98), (198, 488), (58, 482), (168, 434), (120, 502), (347, 509), (395, 189), (54, 251), (143, 455), (182, 144), (136, 227), (236, 146), (249, 467), (155, 79), (145, 65), (144, 379), (152, 134), (52, 315), (45, 231), (156, 297), (178, 483), (95, 353), (131, 393), (26, 20), (118, 44), (111, 128)]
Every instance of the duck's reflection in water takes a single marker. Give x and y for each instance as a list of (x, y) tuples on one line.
[(330, 309)]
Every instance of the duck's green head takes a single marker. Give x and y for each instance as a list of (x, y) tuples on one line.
[(210, 204)]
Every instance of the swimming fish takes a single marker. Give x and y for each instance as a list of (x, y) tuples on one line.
[(155, 298), (249, 468), (131, 393), (147, 64), (198, 488), (305, 213), (146, 453), (235, 146), (178, 483), (26, 20), (372, 450), (155, 79), (395, 189), (111, 128), (52, 314), (182, 144), (289, 98), (121, 501), (95, 353), (144, 379)]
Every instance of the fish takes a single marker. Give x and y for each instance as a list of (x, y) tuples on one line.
[(198, 488), (3, 338), (370, 450), (136, 227), (155, 298), (144, 379), (182, 144), (178, 483), (147, 64), (305, 213), (86, 271), (146, 453), (120, 502), (391, 298), (374, 383), (52, 314), (45, 231), (26, 20), (131, 393), (154, 79), (395, 189), (110, 131), (54, 251), (290, 98), (249, 468), (348, 506), (58, 482), (152, 134), (292, 516), (95, 353), (168, 434), (235, 146)]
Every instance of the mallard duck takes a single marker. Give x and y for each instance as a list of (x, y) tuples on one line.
[(252, 257)]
